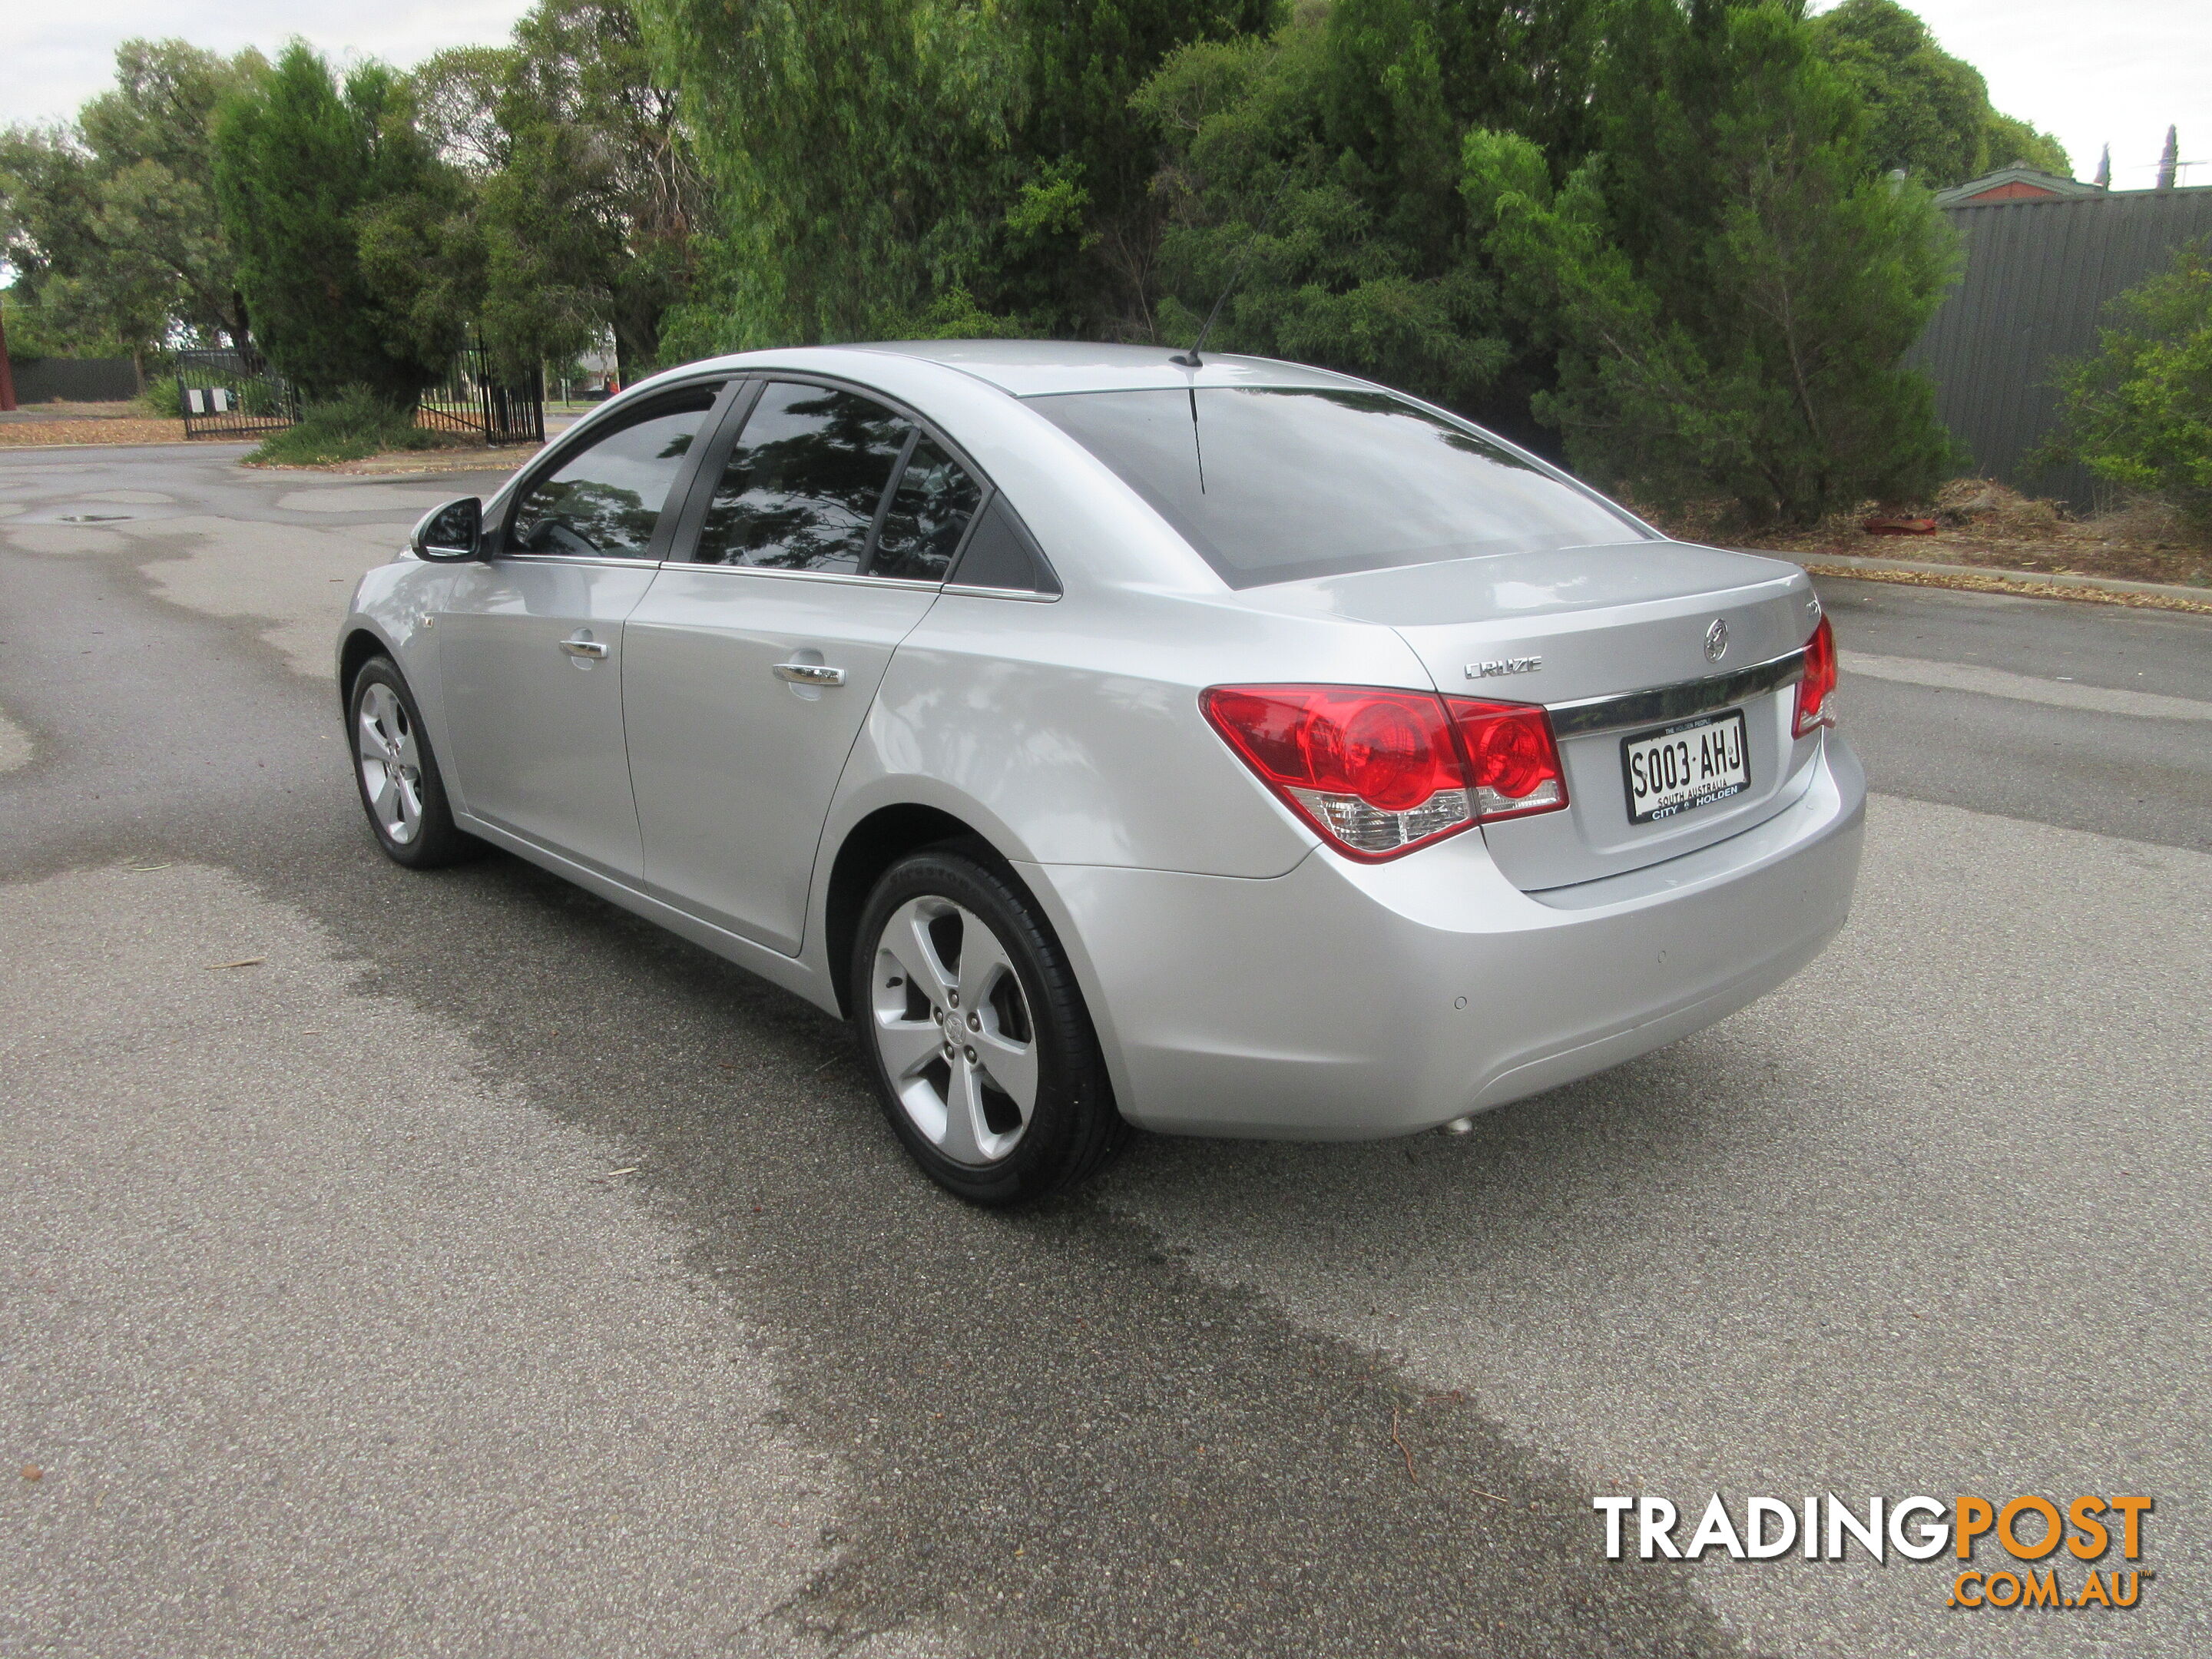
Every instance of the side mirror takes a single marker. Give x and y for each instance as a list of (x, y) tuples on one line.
[(450, 533)]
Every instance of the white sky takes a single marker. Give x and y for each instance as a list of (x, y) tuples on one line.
[(2092, 73)]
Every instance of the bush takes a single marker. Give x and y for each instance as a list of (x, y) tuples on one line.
[(2137, 411), (351, 427), (162, 400)]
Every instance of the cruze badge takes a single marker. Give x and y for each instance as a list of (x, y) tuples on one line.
[(1496, 665), (1716, 640)]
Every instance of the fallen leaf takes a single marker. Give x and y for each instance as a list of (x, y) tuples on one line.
[(33, 1472), (243, 962)]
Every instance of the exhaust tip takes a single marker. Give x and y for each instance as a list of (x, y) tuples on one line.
[(1459, 1126)]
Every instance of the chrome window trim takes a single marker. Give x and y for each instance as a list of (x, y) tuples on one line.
[(969, 591), (1678, 702), (596, 561), (844, 578)]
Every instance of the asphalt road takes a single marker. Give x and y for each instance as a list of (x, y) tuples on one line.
[(477, 1270)]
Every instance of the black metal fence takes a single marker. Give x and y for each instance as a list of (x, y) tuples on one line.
[(236, 394), (476, 400), (233, 394)]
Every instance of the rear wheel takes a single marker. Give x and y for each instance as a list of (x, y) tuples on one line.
[(398, 775), (977, 1041)]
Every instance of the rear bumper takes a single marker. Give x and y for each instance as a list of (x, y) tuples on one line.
[(1345, 1002)]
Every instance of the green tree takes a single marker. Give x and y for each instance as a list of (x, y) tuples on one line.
[(1927, 112), (860, 152), (111, 223), (1729, 283), (87, 297), (595, 206), (356, 247), (1323, 163), (2138, 411), (1079, 243), (874, 160)]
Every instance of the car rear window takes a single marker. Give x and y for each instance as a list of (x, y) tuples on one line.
[(1278, 484)]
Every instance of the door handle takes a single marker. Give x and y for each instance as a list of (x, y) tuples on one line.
[(582, 645), (810, 673)]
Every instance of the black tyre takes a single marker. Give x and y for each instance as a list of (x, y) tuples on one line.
[(975, 1035), (396, 773)]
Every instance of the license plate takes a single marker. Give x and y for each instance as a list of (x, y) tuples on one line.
[(1685, 767)]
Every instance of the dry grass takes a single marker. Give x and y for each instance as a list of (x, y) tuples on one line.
[(98, 429), (1982, 522)]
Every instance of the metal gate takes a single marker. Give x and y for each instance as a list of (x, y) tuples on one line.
[(233, 394), (475, 400)]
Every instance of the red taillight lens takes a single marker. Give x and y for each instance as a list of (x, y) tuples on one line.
[(1382, 772), (1816, 703), (1511, 757)]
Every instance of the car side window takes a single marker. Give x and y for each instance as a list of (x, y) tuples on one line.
[(928, 513), (804, 481), (604, 500), (1003, 555)]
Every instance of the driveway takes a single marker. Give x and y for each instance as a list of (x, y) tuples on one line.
[(393, 1264)]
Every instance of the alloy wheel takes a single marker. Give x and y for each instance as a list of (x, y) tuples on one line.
[(953, 1028), (391, 763)]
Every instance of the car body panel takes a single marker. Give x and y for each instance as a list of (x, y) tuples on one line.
[(734, 769), (534, 732), (1347, 1001)]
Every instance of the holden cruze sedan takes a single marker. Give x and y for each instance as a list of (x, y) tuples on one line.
[(1229, 748)]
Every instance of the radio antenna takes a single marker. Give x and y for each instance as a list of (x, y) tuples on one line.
[(1191, 359)]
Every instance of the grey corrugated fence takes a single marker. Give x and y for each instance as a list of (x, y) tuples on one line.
[(2038, 275)]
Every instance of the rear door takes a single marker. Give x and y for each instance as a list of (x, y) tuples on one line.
[(530, 643), (822, 542)]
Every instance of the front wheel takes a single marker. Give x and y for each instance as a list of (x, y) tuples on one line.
[(401, 789), (977, 1040)]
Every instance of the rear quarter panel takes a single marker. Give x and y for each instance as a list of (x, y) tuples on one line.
[(1069, 732)]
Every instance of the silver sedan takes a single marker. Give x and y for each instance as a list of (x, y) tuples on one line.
[(1232, 748)]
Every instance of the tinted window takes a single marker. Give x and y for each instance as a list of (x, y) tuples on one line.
[(802, 486), (928, 513), (606, 499), (1275, 485), (1001, 555)]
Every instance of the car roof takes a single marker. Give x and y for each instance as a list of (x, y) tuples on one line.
[(1034, 368)]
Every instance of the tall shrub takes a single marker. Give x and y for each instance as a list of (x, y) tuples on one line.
[(2138, 411), (354, 242), (1730, 282), (895, 166)]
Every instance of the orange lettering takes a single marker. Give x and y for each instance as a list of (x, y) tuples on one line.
[(2133, 1508), (2051, 1528), (1975, 1516), (2095, 1539)]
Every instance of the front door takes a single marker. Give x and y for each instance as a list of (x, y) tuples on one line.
[(530, 648), (749, 670)]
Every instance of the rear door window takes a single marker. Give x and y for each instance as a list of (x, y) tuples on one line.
[(804, 482), (928, 514), (1277, 484)]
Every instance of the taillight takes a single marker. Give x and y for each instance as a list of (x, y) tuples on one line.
[(1511, 760), (1382, 772), (1816, 705)]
